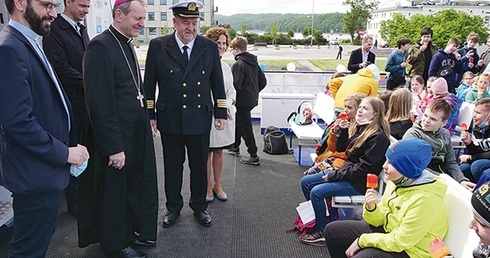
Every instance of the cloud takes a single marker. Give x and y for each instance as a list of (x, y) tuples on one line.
[(227, 7)]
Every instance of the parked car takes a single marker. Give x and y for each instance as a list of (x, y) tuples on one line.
[(334, 42)]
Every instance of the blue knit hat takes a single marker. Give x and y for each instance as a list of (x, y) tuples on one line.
[(410, 156)]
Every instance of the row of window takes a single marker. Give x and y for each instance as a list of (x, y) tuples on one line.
[(163, 16), (164, 2), (151, 31)]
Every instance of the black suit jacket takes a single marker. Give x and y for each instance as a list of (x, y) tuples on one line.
[(355, 59), (64, 48), (33, 118), (184, 103)]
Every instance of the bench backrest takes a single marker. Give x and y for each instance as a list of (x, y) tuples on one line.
[(324, 107), (460, 239)]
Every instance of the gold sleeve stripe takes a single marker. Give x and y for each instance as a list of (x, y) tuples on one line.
[(150, 104), (221, 103)]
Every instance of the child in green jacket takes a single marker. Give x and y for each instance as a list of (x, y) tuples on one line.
[(409, 216)]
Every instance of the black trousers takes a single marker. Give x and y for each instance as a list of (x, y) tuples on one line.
[(174, 148), (244, 129), (395, 83), (339, 235), (35, 221)]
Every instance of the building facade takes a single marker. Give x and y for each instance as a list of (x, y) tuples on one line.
[(481, 8), (159, 18)]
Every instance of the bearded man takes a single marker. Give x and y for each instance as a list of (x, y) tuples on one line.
[(38, 127)]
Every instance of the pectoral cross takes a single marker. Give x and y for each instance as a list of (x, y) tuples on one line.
[(140, 98)]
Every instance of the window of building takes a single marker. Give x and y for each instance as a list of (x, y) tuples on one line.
[(202, 1), (202, 16), (152, 31), (142, 31), (163, 2), (163, 16), (151, 2), (151, 16), (175, 1)]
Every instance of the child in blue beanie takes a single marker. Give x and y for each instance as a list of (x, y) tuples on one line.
[(409, 215)]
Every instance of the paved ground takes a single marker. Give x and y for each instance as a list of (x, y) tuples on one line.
[(301, 53), (252, 223)]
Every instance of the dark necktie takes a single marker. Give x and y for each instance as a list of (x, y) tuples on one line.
[(186, 56), (81, 28)]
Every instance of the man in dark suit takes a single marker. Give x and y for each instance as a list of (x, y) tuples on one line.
[(64, 46), (362, 57), (38, 128), (187, 68)]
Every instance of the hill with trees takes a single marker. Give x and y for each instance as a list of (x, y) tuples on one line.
[(285, 22)]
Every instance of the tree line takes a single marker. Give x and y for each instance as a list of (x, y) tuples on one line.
[(445, 24), (285, 22)]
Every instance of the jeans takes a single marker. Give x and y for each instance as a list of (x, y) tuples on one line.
[(475, 169), (316, 189)]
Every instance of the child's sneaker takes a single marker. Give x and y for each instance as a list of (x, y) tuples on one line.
[(251, 161), (314, 238)]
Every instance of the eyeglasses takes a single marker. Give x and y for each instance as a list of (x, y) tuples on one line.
[(48, 5)]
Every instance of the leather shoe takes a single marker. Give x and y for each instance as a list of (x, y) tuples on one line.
[(127, 252), (143, 243), (73, 209), (170, 218), (203, 217)]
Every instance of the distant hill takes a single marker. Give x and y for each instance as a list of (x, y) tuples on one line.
[(286, 22)]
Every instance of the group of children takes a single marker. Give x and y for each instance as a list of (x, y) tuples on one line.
[(419, 124), (357, 141)]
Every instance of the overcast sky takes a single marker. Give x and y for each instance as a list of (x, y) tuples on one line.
[(229, 7)]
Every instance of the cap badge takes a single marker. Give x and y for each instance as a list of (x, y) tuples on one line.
[(191, 7)]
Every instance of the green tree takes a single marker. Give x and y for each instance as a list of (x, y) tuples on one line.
[(274, 28), (164, 30), (291, 33), (358, 15), (445, 24), (244, 28), (203, 29)]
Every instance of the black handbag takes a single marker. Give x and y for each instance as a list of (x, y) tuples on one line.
[(443, 71)]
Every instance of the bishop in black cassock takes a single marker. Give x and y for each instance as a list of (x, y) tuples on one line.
[(115, 203)]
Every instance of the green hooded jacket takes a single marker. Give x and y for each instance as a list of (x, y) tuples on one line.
[(413, 216)]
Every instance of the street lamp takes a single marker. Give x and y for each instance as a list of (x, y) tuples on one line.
[(312, 15)]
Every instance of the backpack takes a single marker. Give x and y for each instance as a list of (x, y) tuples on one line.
[(275, 141), (304, 229), (304, 114)]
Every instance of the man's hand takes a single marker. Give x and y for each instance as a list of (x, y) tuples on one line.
[(153, 124), (77, 155), (468, 185), (464, 158), (117, 160), (353, 249), (219, 123)]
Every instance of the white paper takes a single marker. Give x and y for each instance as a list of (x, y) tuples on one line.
[(306, 212)]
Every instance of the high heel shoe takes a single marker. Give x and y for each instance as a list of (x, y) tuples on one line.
[(209, 198), (221, 197)]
